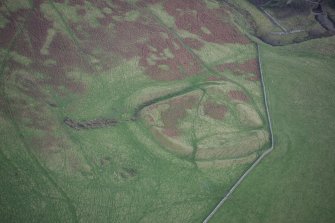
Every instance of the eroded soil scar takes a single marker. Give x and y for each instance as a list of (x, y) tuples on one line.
[(91, 124)]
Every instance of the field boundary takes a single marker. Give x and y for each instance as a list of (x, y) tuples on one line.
[(273, 19), (269, 150)]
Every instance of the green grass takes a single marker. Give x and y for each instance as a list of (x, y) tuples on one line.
[(123, 173), (82, 176), (295, 183)]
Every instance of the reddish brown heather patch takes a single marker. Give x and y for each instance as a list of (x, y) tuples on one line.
[(173, 6), (6, 34), (122, 6), (171, 116), (31, 116), (170, 132), (102, 42), (100, 4), (229, 66), (216, 78), (193, 43), (93, 38), (23, 47), (177, 111), (187, 101), (76, 2), (106, 20), (34, 35), (56, 77), (81, 12), (75, 87), (143, 3), (63, 50), (235, 68), (37, 4), (99, 43), (193, 15), (178, 65), (118, 7), (128, 35), (215, 111), (137, 39), (250, 66), (238, 95), (256, 77), (46, 144), (36, 121), (15, 19), (37, 28)]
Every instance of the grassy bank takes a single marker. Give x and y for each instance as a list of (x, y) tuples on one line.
[(295, 183)]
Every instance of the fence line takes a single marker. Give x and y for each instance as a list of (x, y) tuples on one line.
[(239, 181)]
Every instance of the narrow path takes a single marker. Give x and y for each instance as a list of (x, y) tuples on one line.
[(239, 181)]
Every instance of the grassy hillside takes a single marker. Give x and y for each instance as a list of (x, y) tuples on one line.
[(295, 183), (124, 111), (150, 110)]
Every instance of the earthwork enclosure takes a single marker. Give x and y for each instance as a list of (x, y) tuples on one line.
[(127, 111)]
